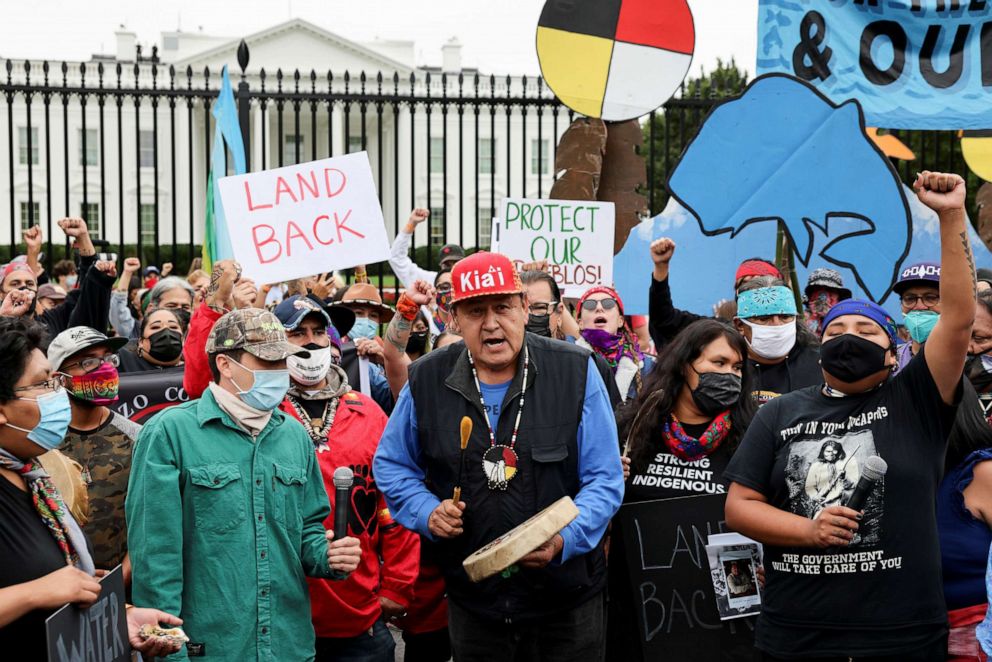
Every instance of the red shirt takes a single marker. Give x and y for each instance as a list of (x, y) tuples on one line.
[(349, 607)]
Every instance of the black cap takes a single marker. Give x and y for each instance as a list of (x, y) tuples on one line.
[(450, 253)]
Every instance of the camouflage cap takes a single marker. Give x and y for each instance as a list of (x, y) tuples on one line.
[(256, 331)]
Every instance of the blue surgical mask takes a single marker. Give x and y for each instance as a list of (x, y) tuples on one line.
[(71, 280), (268, 389), (363, 328), (55, 412), (919, 324)]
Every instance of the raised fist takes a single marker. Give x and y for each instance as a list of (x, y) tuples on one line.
[(662, 250), (74, 226), (940, 191), (421, 293)]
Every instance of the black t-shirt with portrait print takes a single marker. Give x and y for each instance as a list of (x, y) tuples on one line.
[(804, 451)]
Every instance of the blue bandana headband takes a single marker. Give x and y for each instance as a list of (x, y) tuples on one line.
[(868, 309), (777, 300)]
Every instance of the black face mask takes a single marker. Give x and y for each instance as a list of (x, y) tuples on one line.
[(851, 358), (717, 392), (539, 325), (184, 317), (166, 345), (974, 370), (417, 342)]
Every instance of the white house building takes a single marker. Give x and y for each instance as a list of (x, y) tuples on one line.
[(147, 173)]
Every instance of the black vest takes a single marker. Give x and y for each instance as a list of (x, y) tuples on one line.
[(444, 391)]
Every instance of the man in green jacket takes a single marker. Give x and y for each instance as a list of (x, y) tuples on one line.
[(226, 505)]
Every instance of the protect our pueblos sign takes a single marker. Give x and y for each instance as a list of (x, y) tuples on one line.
[(304, 219), (574, 236)]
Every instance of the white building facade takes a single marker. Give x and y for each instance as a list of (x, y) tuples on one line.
[(136, 166)]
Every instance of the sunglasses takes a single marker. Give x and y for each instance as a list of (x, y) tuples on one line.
[(591, 304)]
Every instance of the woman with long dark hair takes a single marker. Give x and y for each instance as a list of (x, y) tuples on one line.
[(680, 433), (689, 406)]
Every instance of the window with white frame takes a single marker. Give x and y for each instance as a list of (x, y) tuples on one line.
[(89, 154), (30, 215), (90, 212), (146, 149), (22, 146), (437, 226), (487, 156), (290, 143), (539, 157), (437, 156), (485, 237), (146, 219)]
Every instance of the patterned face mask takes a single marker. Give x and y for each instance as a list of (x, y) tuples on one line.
[(97, 386), (443, 300)]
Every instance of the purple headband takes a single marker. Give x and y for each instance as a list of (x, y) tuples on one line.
[(868, 309)]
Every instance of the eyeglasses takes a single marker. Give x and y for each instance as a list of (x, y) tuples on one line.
[(542, 308), (49, 384), (92, 363), (607, 304), (930, 299)]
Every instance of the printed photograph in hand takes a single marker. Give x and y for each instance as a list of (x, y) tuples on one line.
[(741, 582), (824, 472)]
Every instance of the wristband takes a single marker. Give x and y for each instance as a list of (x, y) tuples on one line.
[(407, 307)]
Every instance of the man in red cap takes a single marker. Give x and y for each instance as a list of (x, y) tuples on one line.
[(665, 319), (542, 429)]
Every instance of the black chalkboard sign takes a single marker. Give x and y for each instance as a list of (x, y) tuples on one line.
[(665, 545), (95, 634)]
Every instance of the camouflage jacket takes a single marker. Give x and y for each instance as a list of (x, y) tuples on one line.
[(105, 455)]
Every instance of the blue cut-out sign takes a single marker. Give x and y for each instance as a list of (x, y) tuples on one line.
[(784, 152)]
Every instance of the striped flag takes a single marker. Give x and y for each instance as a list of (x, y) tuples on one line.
[(216, 240)]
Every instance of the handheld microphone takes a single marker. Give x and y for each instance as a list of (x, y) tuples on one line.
[(343, 479), (874, 469)]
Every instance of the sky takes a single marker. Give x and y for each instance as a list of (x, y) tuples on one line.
[(497, 37)]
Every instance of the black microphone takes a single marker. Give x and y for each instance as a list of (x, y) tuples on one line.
[(344, 478), (874, 468)]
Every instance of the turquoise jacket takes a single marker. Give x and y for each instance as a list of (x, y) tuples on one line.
[(223, 530)]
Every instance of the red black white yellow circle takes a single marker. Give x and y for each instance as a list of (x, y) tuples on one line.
[(615, 59)]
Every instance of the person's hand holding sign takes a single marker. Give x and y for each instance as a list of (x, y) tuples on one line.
[(244, 293), (370, 349), (225, 274), (68, 584)]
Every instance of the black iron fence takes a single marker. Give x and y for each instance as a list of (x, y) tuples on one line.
[(128, 146)]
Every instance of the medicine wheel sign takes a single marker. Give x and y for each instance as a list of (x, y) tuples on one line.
[(615, 59)]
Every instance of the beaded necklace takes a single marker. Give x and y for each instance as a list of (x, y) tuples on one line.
[(499, 462), (317, 428)]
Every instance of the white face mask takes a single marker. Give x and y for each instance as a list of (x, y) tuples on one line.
[(311, 371), (772, 342)]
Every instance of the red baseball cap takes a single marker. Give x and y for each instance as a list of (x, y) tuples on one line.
[(484, 274)]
